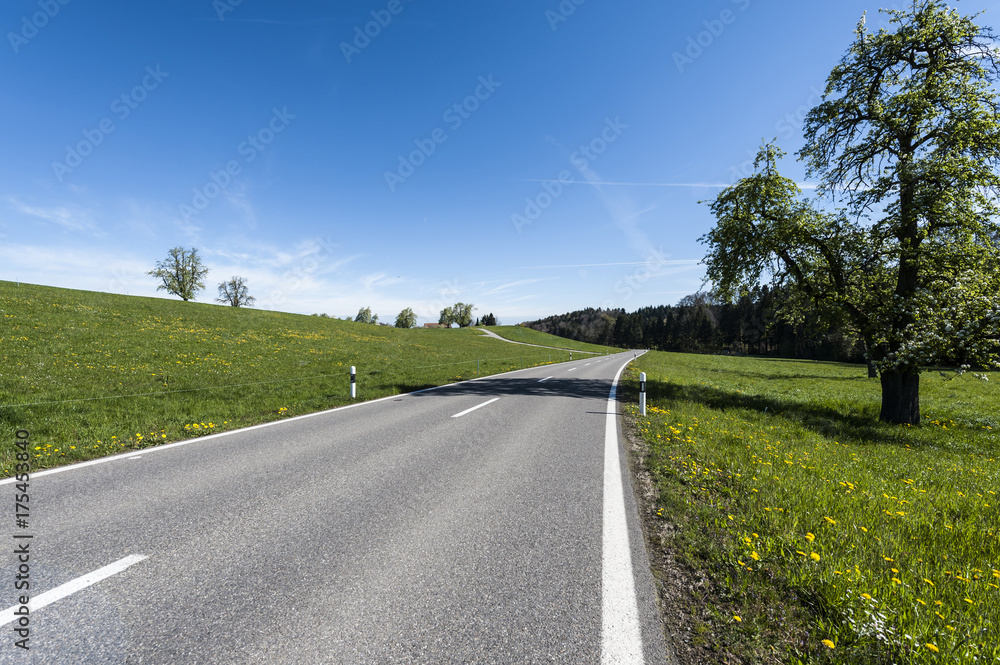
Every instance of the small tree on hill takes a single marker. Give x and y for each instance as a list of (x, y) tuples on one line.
[(235, 293), (463, 314), (181, 273), (406, 318), (365, 316)]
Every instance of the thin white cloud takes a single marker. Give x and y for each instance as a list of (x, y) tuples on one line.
[(238, 199), (317, 21), (511, 285), (92, 269), (677, 262), (692, 185), (65, 217)]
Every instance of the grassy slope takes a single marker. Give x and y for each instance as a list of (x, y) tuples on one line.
[(816, 522), (89, 374)]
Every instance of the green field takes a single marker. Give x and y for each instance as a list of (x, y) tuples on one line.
[(90, 374), (816, 522)]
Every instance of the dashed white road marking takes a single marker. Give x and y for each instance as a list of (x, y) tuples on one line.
[(545, 379), (38, 602), (478, 406)]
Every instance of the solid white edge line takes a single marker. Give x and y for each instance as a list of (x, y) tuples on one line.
[(478, 406), (36, 603), (621, 637)]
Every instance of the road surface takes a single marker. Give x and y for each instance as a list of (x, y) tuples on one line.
[(483, 522)]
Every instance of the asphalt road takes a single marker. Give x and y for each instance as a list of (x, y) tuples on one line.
[(395, 531)]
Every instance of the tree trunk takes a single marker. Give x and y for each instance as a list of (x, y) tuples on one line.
[(900, 397), (872, 372)]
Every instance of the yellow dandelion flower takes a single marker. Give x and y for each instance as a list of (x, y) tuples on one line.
[(810, 537), (814, 556), (755, 556), (932, 647), (829, 643), (737, 618)]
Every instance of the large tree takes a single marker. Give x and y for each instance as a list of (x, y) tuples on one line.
[(908, 135), (181, 273)]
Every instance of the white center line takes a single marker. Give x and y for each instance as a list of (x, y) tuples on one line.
[(545, 379), (574, 369), (63, 590), (587, 365), (478, 406)]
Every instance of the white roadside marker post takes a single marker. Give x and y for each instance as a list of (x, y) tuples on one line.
[(354, 384), (642, 393)]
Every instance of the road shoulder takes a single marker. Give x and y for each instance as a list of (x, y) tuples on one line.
[(683, 593)]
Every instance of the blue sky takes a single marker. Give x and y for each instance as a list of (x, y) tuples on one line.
[(529, 157)]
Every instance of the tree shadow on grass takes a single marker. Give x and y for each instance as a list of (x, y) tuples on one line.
[(778, 376), (787, 372), (860, 425)]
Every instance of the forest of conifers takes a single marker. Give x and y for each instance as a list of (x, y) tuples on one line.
[(700, 324)]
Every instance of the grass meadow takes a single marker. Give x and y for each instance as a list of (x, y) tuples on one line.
[(91, 374), (830, 537)]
